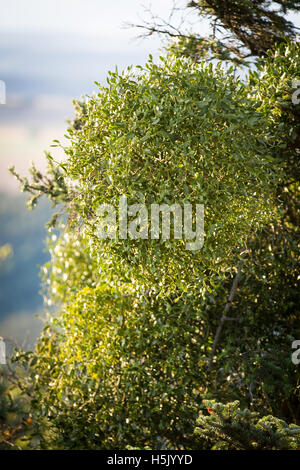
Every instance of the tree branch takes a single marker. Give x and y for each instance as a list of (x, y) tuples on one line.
[(224, 317)]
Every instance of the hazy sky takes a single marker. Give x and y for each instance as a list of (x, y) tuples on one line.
[(89, 17), (98, 17)]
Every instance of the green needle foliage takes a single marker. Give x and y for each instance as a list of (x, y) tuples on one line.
[(227, 427), (254, 27), (240, 30)]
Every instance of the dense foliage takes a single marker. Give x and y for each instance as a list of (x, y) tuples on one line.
[(15, 418)]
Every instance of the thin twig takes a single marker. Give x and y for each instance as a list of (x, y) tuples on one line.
[(226, 309)]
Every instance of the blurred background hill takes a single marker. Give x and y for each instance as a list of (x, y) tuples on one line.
[(20, 299)]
